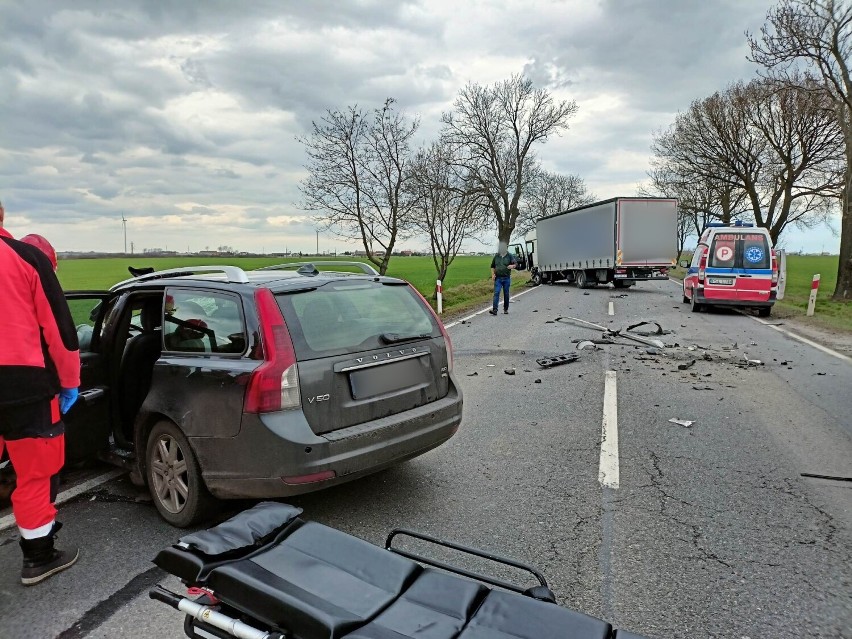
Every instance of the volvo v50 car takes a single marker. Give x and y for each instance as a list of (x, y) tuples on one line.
[(214, 382)]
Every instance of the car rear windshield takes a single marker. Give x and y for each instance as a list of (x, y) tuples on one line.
[(740, 250), (351, 317)]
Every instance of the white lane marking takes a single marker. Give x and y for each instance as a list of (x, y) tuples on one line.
[(608, 470), (486, 309), (611, 310), (9, 520), (804, 340), (796, 336)]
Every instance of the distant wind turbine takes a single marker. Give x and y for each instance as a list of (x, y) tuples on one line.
[(124, 222)]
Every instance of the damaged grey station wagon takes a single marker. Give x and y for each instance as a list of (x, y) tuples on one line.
[(214, 382)]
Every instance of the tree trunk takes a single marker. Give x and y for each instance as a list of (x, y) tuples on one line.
[(504, 232), (843, 290)]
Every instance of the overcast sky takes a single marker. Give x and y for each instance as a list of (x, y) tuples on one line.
[(183, 116)]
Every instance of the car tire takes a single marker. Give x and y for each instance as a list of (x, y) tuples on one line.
[(174, 477), (696, 307), (764, 311)]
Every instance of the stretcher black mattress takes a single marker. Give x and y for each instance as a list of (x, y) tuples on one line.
[(316, 582)]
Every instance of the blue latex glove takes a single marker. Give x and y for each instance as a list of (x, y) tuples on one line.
[(67, 397)]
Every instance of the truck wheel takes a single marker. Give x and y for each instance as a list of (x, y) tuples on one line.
[(696, 307), (546, 279), (536, 278), (582, 280), (764, 311), (174, 477)]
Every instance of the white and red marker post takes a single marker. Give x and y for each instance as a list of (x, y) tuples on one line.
[(440, 298), (813, 296)]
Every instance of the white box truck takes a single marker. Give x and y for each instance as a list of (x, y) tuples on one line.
[(622, 240)]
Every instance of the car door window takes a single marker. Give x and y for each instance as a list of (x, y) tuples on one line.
[(88, 313), (203, 322)]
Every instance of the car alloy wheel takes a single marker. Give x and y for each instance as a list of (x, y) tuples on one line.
[(170, 474), (174, 477)]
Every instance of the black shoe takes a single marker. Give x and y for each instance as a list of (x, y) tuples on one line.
[(505, 311), (42, 560), (493, 311)]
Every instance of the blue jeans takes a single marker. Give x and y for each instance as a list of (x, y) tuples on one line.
[(502, 284)]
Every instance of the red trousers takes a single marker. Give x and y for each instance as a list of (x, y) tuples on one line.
[(37, 462)]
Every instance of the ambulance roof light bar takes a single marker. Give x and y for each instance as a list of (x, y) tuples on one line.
[(737, 223)]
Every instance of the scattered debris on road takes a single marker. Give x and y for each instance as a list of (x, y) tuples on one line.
[(682, 422), (702, 388), (556, 360), (688, 365), (538, 381), (473, 374), (587, 344), (509, 371), (653, 350), (829, 477), (658, 331)]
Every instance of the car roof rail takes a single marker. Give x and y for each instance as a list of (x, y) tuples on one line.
[(309, 268), (232, 273)]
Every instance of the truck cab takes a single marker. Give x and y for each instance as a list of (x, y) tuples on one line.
[(733, 265), (525, 253)]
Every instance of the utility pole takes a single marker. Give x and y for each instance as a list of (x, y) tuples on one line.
[(124, 222), (131, 248), (317, 241)]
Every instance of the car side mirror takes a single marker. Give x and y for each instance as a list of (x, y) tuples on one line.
[(684, 263)]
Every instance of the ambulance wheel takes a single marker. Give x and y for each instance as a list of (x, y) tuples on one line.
[(174, 477), (696, 307), (764, 311), (685, 299)]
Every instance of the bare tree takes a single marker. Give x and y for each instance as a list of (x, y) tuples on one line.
[(551, 193), (358, 177), (771, 143), (492, 131), (700, 201), (448, 204), (818, 35)]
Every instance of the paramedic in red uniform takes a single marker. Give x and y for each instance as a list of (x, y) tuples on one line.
[(39, 378)]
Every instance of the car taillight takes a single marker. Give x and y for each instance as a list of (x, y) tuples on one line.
[(774, 268), (702, 267), (274, 385), (447, 342)]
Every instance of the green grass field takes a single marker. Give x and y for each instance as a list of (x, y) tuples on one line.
[(467, 282), (800, 272)]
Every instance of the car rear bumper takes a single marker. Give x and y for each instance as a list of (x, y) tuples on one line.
[(282, 445), (722, 301)]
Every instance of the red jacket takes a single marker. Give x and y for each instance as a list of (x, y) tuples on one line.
[(39, 352)]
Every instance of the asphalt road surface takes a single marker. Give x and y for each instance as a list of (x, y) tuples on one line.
[(709, 530)]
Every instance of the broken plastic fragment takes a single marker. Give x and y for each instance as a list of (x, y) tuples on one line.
[(682, 422)]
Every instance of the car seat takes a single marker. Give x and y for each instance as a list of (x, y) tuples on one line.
[(141, 352)]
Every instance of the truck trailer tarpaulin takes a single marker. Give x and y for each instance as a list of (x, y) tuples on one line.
[(622, 240)]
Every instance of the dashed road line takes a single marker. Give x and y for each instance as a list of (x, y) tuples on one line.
[(611, 309), (9, 520), (608, 473), (486, 309)]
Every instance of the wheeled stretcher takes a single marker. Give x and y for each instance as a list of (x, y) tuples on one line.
[(267, 574)]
